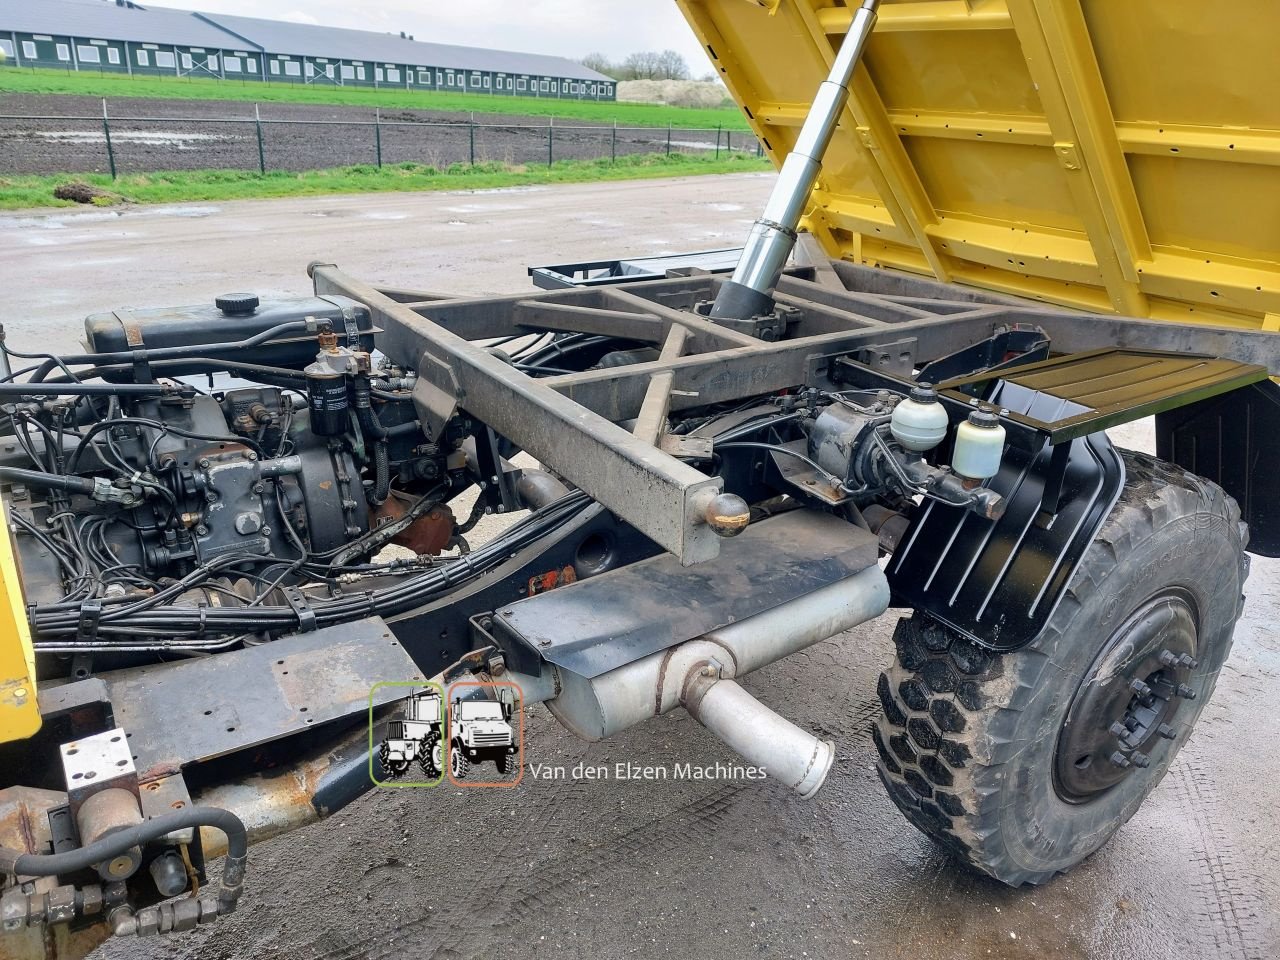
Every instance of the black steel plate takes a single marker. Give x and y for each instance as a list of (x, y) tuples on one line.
[(603, 623), (998, 581), (193, 710)]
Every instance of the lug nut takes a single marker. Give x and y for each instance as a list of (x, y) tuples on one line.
[(1140, 760), (1120, 760), (1118, 729), (1188, 661), (1185, 692), (1167, 731), (1140, 688)]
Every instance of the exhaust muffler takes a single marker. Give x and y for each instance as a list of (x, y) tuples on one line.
[(700, 675)]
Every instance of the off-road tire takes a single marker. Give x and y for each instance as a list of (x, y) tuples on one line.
[(503, 763), (427, 760), (459, 765), (390, 769), (968, 738)]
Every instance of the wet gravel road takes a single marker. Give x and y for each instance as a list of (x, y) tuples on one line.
[(718, 869), (150, 135)]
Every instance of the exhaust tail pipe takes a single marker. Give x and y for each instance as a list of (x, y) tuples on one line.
[(749, 293), (700, 676), (762, 737)]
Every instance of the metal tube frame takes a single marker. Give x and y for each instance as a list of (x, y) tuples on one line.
[(891, 321)]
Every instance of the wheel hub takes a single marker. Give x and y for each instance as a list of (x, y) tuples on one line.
[(1126, 706)]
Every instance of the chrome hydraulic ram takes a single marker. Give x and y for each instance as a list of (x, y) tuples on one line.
[(749, 292)]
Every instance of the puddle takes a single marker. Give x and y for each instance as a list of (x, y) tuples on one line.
[(180, 141)]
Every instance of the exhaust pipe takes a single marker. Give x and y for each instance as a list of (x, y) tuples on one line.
[(700, 676), (749, 293), (770, 742)]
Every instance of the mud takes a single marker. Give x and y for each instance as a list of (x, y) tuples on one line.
[(156, 135), (718, 869)]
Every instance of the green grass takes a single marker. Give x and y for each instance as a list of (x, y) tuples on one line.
[(20, 192), (13, 80)]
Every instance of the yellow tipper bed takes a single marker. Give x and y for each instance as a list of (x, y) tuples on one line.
[(19, 715), (1110, 155)]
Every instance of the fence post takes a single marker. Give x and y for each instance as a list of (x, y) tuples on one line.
[(262, 154), (718, 141), (377, 134), (728, 142), (471, 134), (551, 140), (613, 142), (668, 138), (106, 130)]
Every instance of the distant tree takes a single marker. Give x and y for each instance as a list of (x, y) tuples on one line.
[(600, 64), (671, 66), (640, 66)]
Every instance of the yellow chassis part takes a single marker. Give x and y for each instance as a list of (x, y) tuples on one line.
[(19, 713), (1109, 155)]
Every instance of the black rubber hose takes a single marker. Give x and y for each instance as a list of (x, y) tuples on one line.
[(117, 842), (381, 474), (169, 353), (85, 389), (36, 478), (374, 433), (213, 365)]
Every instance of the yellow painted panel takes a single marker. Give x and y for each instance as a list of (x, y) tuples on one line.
[(1179, 62), (1112, 155), (19, 713), (952, 71), (1190, 205), (1021, 186)]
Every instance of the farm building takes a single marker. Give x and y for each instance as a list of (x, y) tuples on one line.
[(92, 35)]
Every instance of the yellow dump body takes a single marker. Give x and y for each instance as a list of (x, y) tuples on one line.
[(1111, 155)]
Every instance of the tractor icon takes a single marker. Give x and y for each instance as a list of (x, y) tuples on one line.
[(419, 736), (480, 730)]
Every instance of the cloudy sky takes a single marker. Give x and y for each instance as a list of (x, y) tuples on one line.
[(567, 28)]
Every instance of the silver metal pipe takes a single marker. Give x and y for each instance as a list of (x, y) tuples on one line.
[(687, 674), (772, 237), (766, 740)]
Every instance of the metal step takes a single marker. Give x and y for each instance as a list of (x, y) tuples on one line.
[(1114, 386)]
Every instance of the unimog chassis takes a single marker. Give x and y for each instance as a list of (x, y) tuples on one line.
[(197, 582)]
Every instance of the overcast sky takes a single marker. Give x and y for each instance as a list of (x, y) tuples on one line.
[(567, 28)]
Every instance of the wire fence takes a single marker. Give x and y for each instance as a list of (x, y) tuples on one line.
[(152, 144)]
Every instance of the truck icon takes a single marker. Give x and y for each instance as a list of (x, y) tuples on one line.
[(419, 736), (480, 730)]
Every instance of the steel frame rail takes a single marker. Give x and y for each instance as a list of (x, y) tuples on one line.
[(580, 424)]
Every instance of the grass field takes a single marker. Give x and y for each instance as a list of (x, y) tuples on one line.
[(14, 80), (18, 193)]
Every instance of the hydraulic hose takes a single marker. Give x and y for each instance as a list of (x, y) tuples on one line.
[(381, 474), (376, 434), (132, 617), (165, 353), (49, 481), (118, 841), (35, 389)]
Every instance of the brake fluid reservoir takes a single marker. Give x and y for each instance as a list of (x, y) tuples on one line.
[(920, 422), (979, 445)]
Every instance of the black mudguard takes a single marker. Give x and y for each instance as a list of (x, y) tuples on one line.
[(1233, 440), (998, 581)]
